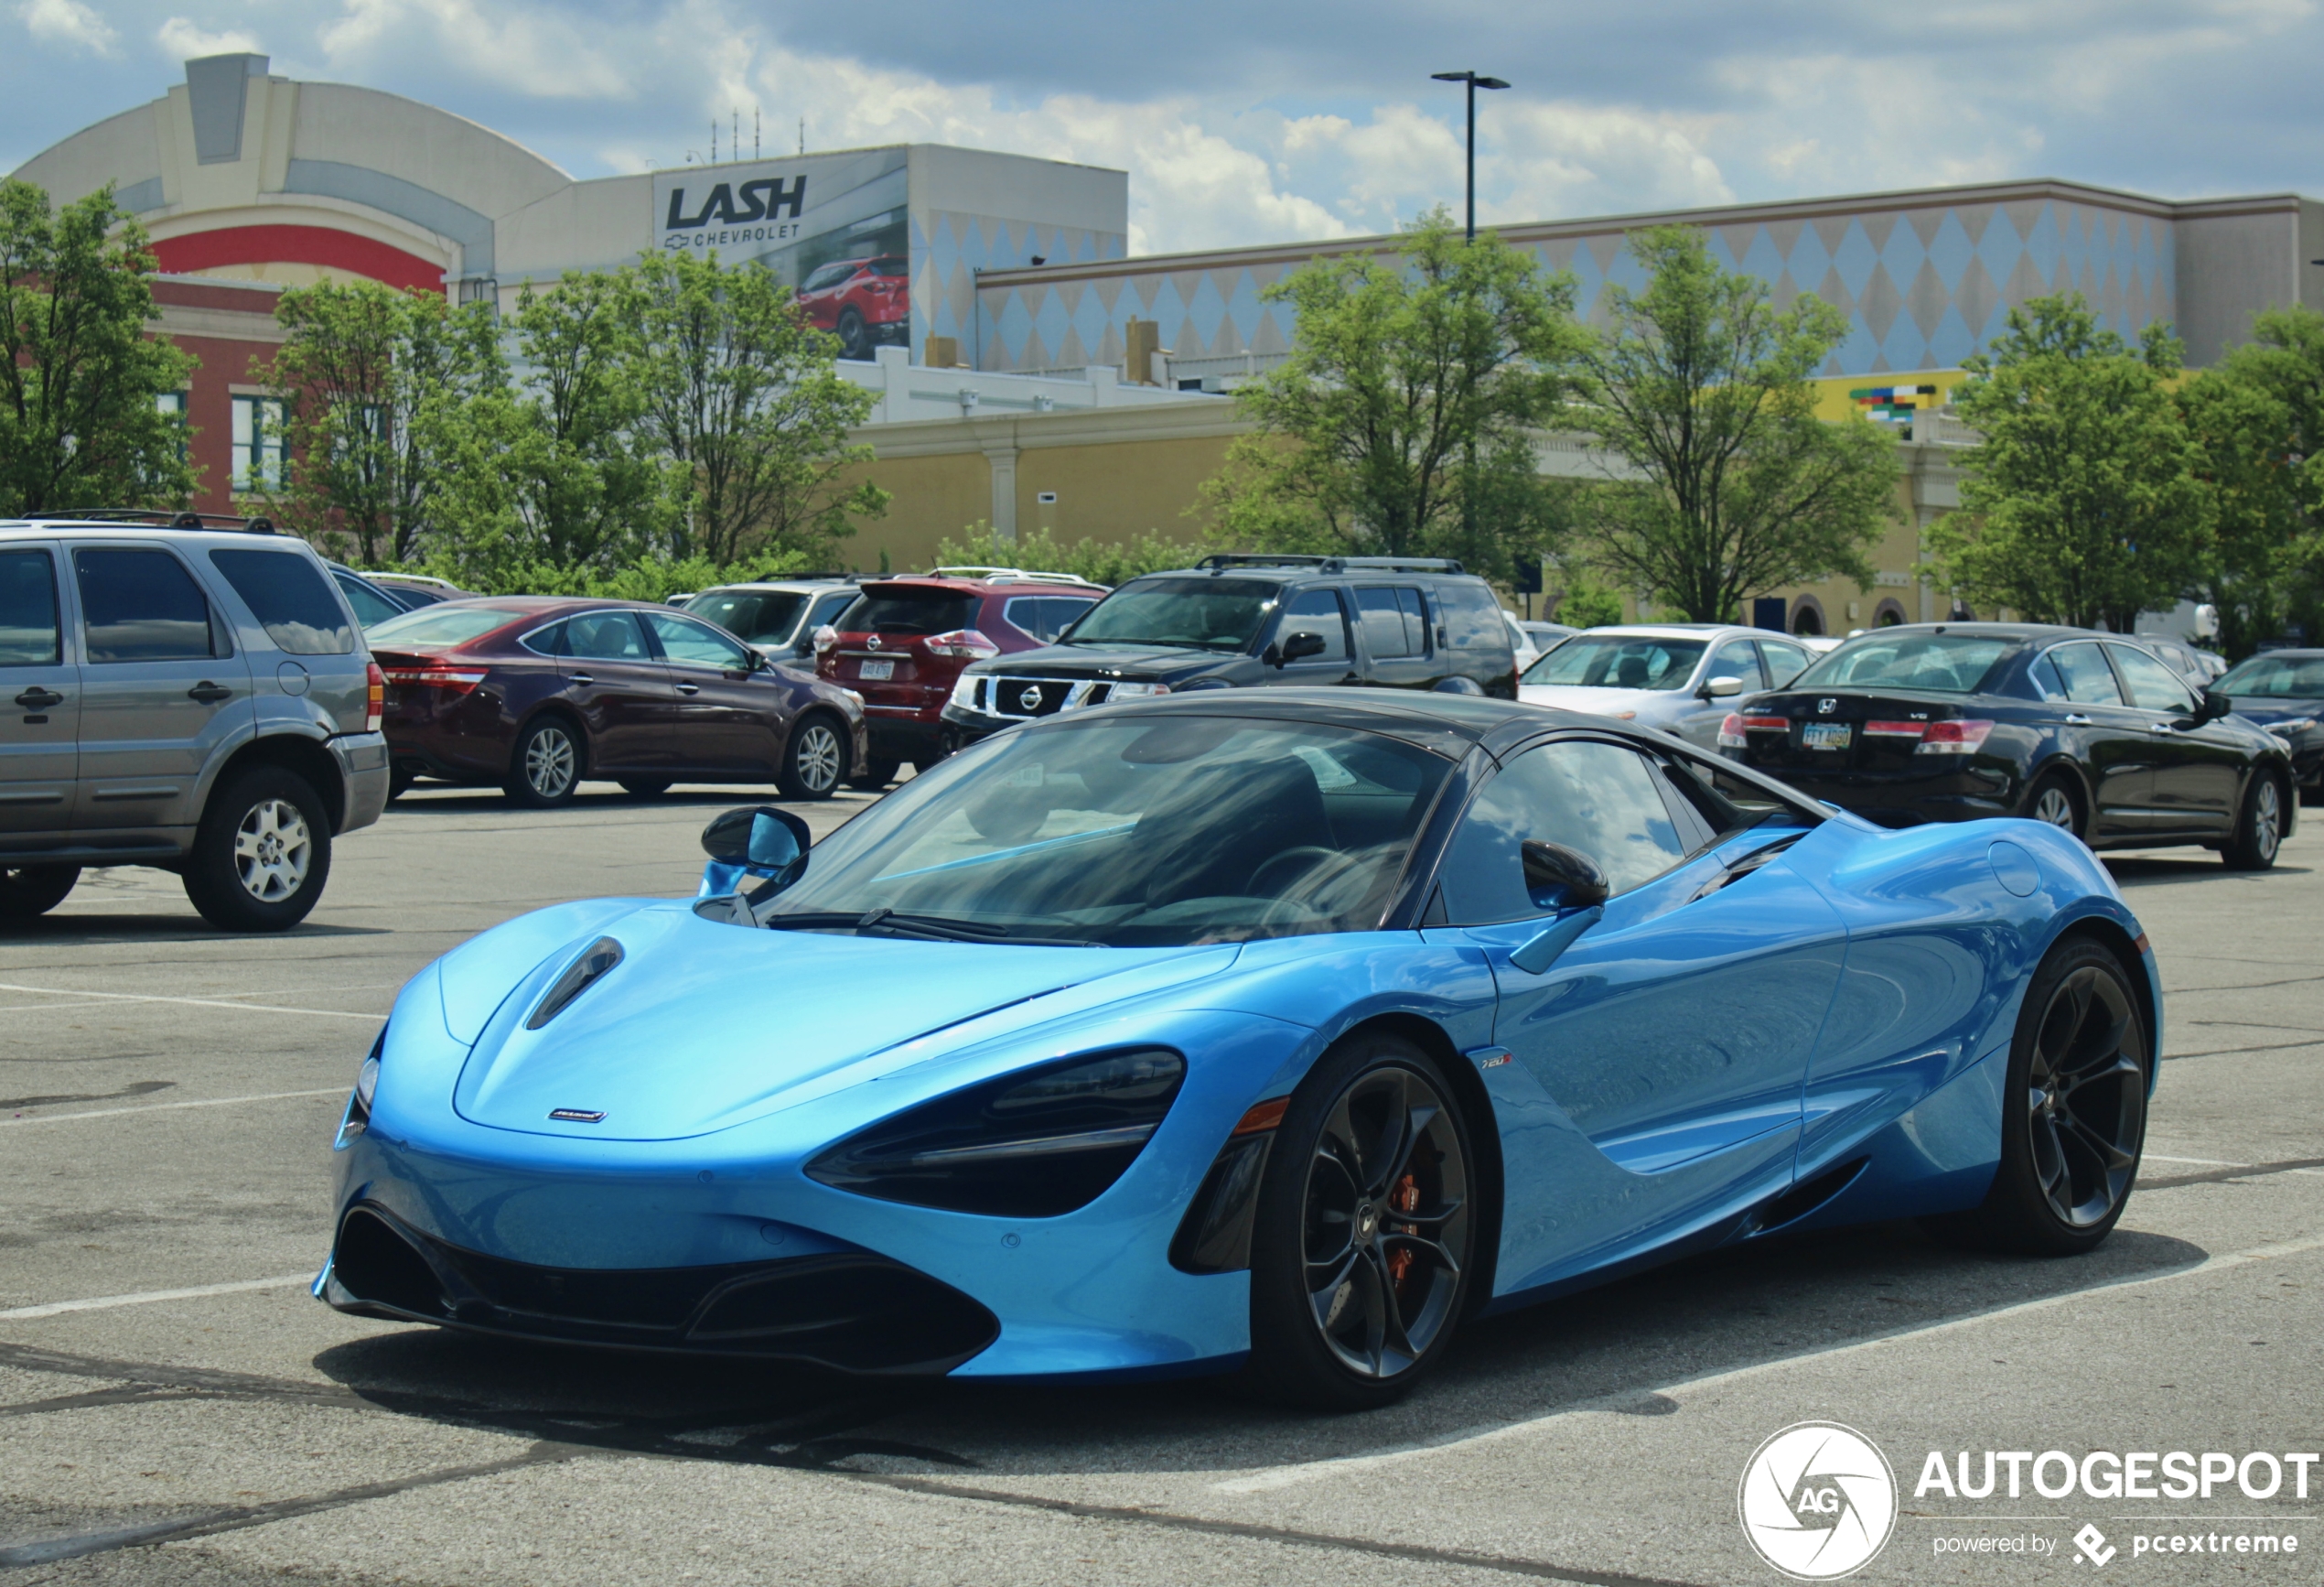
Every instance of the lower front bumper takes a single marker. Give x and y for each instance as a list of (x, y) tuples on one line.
[(847, 1310)]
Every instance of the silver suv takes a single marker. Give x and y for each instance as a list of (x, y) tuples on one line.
[(197, 699), (778, 618)]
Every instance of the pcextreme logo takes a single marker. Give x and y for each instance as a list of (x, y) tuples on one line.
[(1817, 1501)]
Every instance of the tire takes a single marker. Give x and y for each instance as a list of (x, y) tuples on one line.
[(546, 769), (645, 787), (261, 853), (399, 782), (876, 775), (813, 759), (2055, 800), (1389, 1298), (2259, 827), (855, 339), (2074, 1110), (27, 892)]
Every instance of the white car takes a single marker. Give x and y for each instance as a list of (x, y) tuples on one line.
[(1677, 676), (1531, 640)]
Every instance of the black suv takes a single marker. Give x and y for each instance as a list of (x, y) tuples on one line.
[(1255, 621)]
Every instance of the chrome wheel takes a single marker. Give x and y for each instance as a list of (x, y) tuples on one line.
[(272, 850), (550, 762), (2086, 1097), (2055, 807), (1386, 1207), (2267, 820), (817, 758)]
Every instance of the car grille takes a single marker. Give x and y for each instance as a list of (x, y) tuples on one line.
[(1000, 695)]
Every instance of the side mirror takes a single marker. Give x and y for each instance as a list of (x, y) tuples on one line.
[(2215, 706), (754, 840), (1719, 688), (1553, 867), (1299, 646)]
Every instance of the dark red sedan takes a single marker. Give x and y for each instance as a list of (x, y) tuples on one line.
[(535, 693), (864, 302)]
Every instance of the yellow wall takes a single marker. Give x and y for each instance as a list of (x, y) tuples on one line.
[(933, 497), (1117, 491)]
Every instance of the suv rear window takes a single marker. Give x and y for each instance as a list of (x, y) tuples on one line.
[(1471, 616), (909, 608), (761, 616), (289, 598)]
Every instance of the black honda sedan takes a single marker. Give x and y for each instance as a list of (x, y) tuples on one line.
[(1953, 721), (2283, 691)]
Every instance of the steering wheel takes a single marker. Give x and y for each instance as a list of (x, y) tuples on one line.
[(1304, 857)]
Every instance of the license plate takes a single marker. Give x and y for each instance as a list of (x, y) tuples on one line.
[(1826, 735), (877, 671)]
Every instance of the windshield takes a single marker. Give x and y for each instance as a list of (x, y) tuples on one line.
[(1191, 613), (2282, 677), (1615, 661), (762, 616), (1946, 664), (1137, 833), (441, 625)]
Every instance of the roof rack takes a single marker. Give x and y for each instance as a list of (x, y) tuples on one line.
[(1220, 561), (154, 517), (1003, 574)]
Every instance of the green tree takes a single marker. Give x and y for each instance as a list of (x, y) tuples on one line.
[(740, 391), (360, 366), (1043, 551), (1588, 605), (2083, 503), (1404, 421), (80, 425), (1698, 389), (553, 472)]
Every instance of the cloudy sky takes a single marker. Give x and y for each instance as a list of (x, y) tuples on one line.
[(1302, 118)]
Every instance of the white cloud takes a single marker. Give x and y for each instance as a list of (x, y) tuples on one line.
[(539, 52), (186, 42), (68, 22)]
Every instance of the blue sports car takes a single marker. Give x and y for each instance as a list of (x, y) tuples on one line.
[(1274, 1031)]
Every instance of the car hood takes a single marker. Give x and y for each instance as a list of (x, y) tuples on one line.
[(1652, 703), (2266, 708), (704, 1025), (1145, 662)]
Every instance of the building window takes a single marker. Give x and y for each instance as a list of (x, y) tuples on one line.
[(259, 423)]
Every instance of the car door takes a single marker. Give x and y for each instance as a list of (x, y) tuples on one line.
[(1658, 1062), (163, 692), (1399, 649), (2113, 742), (38, 738), (2198, 767), (622, 692), (724, 710), (1322, 612)]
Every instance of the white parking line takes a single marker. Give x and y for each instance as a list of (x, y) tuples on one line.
[(101, 1302), (166, 1106), (186, 1003), (1314, 1471)]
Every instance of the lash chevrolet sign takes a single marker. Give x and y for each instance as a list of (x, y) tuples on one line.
[(791, 215)]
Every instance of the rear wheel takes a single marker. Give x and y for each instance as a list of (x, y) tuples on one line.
[(261, 853), (31, 890), (545, 770), (645, 787), (876, 775), (1361, 1249), (2075, 1109), (813, 760), (854, 338), (2259, 829), (2055, 801)]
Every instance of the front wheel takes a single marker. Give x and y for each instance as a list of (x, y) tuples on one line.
[(545, 770), (261, 853), (812, 760), (29, 891), (1360, 1250), (2259, 828), (2073, 1109)]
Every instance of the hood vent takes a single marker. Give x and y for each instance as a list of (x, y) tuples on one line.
[(578, 977)]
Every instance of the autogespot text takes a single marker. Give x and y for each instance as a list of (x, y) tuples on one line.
[(2103, 1475)]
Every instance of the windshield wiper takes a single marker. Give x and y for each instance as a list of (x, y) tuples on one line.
[(884, 921)]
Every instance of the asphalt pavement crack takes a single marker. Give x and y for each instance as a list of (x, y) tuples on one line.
[(2222, 1175)]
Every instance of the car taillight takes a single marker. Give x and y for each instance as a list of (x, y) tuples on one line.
[(1731, 735), (826, 637), (1961, 738), (436, 675), (374, 697), (963, 642), (1895, 729)]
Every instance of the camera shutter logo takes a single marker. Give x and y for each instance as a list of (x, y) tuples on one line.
[(1818, 1500)]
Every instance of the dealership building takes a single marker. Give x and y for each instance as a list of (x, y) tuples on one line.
[(1028, 371)]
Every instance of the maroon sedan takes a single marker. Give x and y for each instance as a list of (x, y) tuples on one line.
[(535, 693)]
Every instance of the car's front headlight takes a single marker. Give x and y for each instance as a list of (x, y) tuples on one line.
[(2290, 726), (1032, 1144), (367, 1085), (1136, 691), (964, 690)]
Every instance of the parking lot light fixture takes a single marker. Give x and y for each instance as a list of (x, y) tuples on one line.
[(1474, 82)]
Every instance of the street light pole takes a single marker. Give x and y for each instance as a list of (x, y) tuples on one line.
[(1474, 82)]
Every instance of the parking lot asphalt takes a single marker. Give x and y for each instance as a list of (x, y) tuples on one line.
[(175, 1410)]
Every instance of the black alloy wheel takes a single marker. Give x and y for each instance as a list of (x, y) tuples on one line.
[(2054, 802), (29, 891), (2259, 827), (1361, 1248), (546, 769), (854, 338), (645, 787), (815, 760), (2075, 1109)]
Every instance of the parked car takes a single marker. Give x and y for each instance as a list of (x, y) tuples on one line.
[(533, 694), (2283, 691), (2092, 734), (866, 303), (1678, 676), (418, 590), (372, 603), (1546, 636), (1255, 621), (903, 642), (1113, 1047), (777, 618), (193, 698), (2196, 666)]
